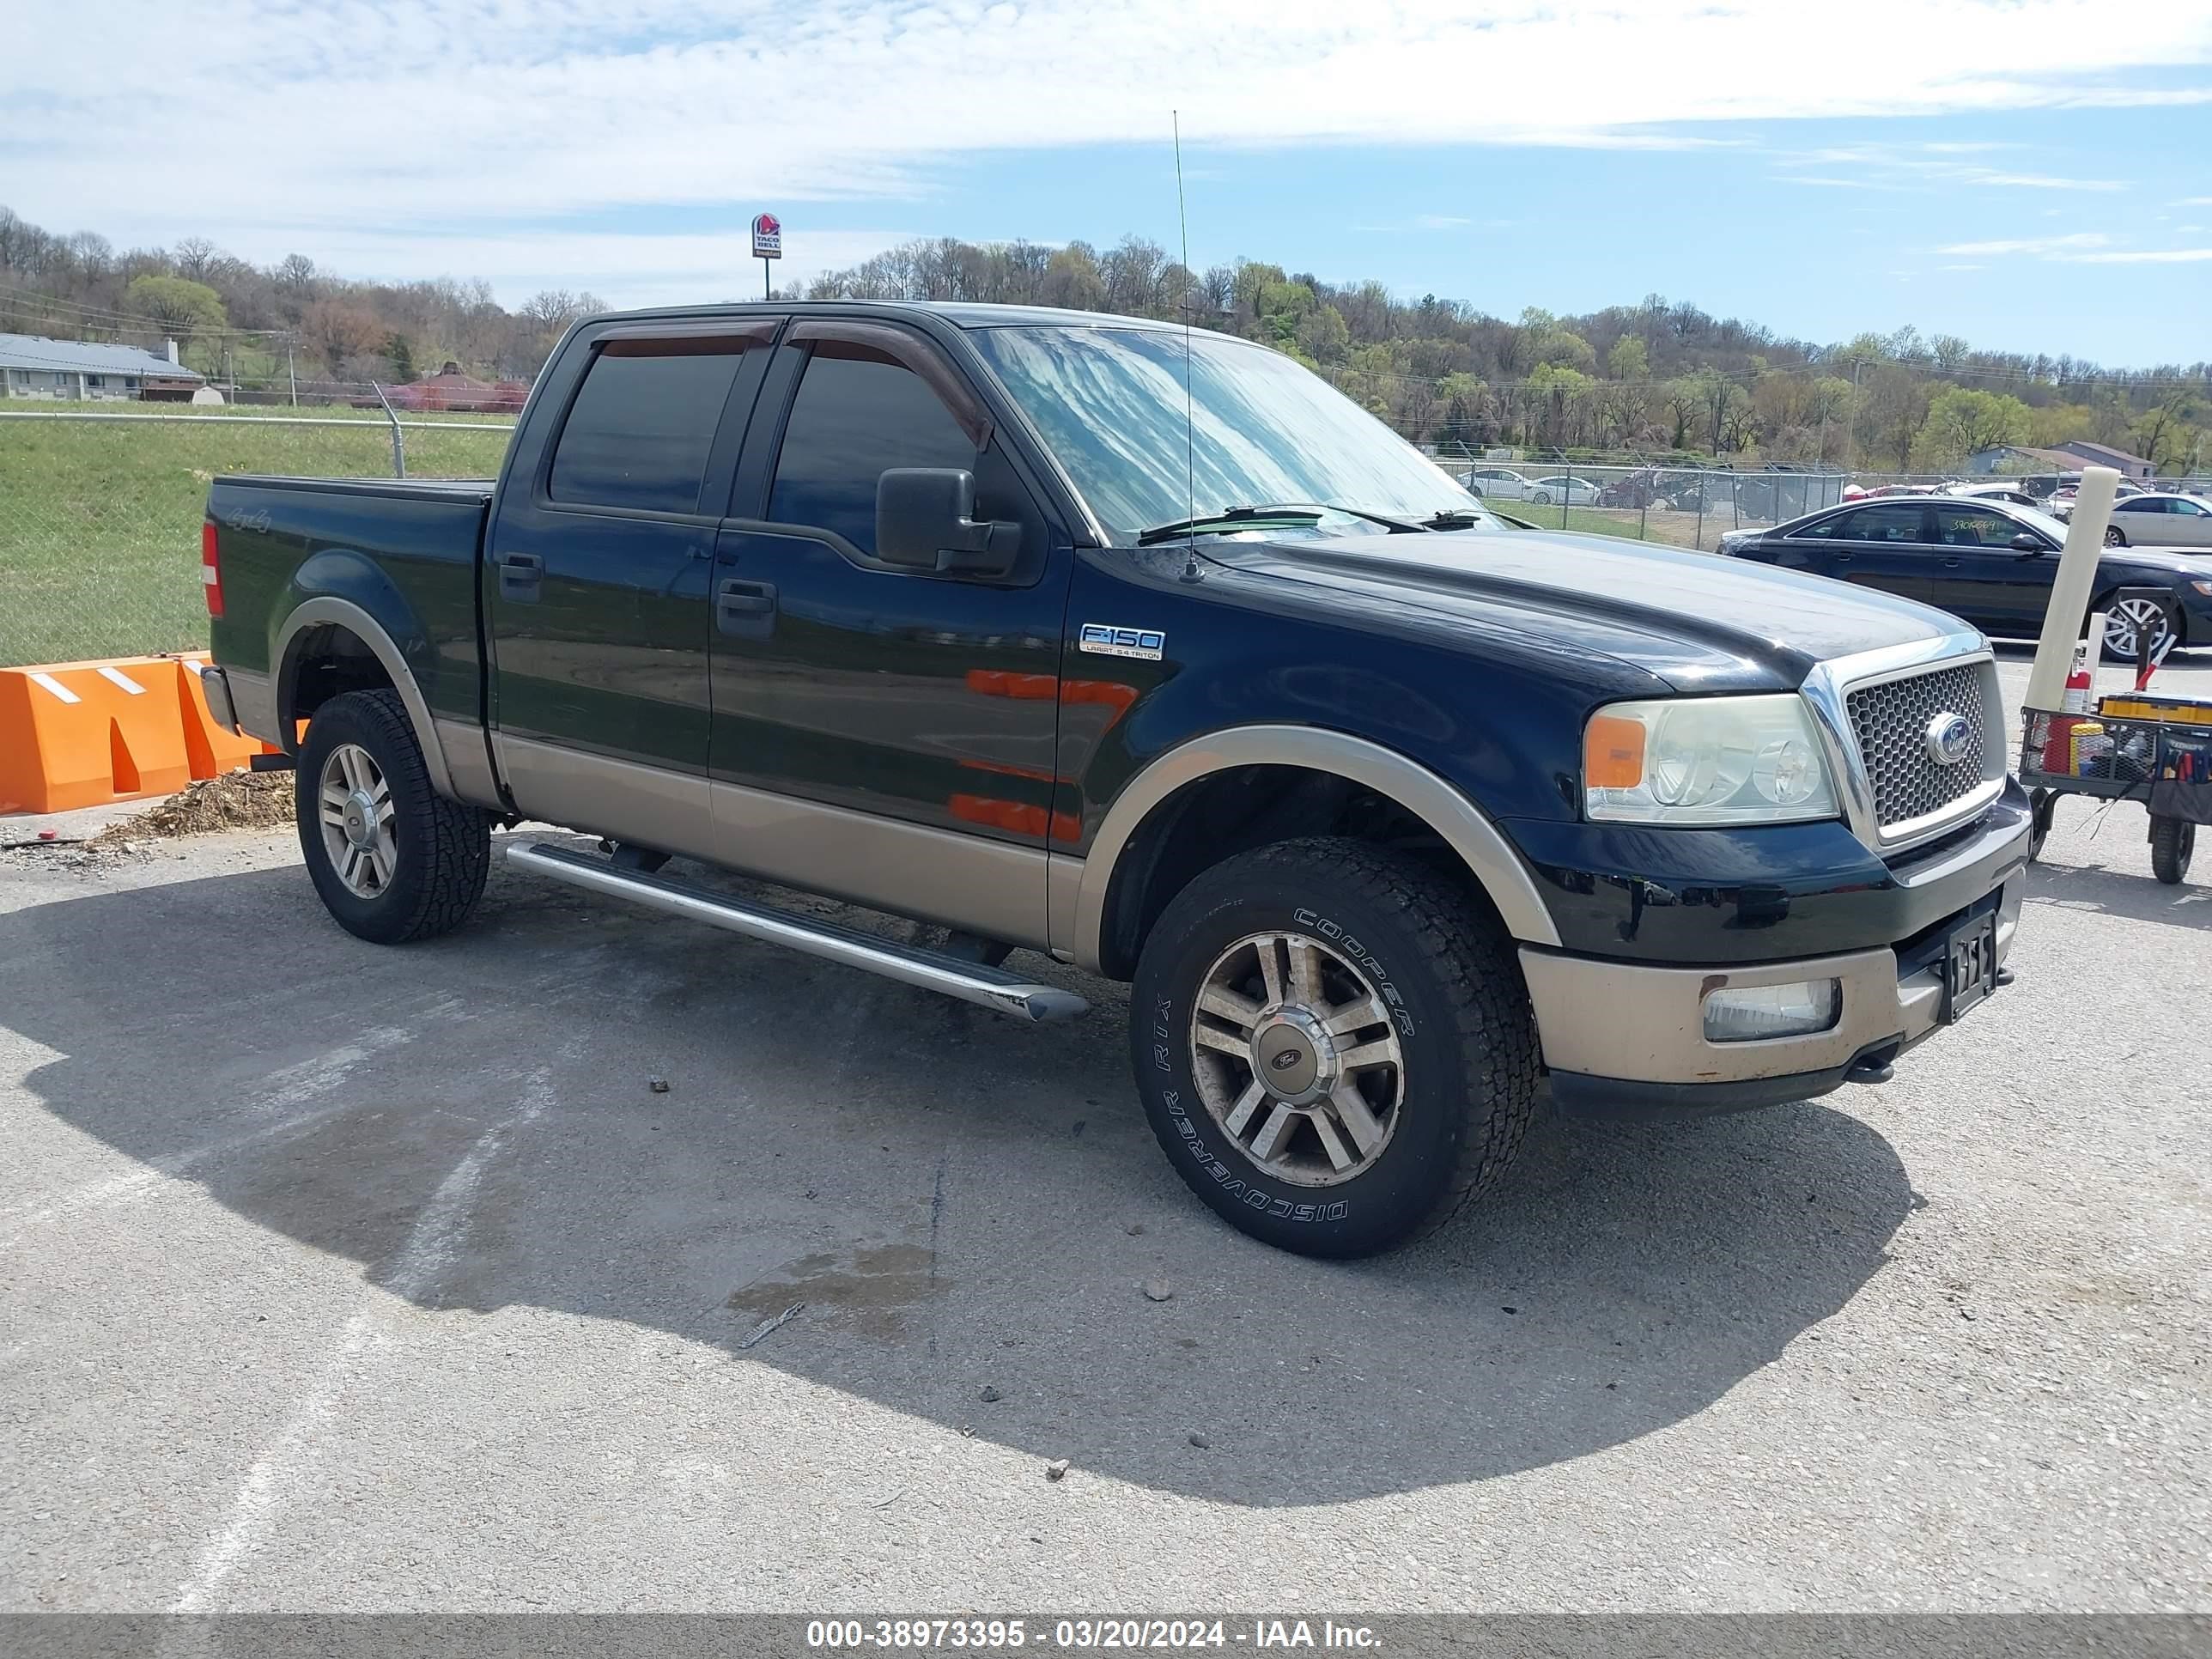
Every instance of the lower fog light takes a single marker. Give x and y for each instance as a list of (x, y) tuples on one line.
[(1772, 1010)]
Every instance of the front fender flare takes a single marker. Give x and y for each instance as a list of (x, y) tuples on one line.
[(1079, 898)]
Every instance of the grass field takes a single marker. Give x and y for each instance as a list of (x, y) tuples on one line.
[(99, 520), (1659, 525)]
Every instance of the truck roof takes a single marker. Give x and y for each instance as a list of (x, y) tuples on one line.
[(964, 314)]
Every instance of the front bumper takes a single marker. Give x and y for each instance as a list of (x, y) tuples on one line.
[(1621, 1036)]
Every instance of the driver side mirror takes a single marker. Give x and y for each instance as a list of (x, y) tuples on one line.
[(925, 521), (2028, 542)]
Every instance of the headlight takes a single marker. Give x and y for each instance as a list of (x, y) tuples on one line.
[(2205, 588), (1705, 761)]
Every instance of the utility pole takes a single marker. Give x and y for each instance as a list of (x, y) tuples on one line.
[(290, 377)]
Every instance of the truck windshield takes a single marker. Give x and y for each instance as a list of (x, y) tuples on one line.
[(1109, 402)]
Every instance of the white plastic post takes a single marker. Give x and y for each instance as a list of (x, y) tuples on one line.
[(2070, 588)]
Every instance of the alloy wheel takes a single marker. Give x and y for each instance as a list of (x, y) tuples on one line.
[(1296, 1058), (354, 807), (2125, 623)]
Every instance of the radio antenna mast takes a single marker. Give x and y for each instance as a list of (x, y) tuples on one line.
[(1191, 573)]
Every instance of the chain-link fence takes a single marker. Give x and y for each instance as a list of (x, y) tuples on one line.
[(100, 513), (1682, 506), (1689, 506)]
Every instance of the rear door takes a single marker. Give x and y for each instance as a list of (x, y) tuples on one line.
[(882, 733), (1881, 544), (597, 581)]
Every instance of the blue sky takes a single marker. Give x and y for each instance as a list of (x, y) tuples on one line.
[(2019, 172)]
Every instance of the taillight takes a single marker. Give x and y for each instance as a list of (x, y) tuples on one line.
[(211, 568)]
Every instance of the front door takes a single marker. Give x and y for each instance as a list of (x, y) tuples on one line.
[(1980, 575), (880, 733)]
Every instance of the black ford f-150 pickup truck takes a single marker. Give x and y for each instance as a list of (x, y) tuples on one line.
[(1183, 670)]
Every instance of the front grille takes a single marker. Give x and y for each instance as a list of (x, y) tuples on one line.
[(1891, 720)]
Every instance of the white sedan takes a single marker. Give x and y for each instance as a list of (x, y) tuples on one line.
[(1499, 483), (2157, 520), (1575, 492)]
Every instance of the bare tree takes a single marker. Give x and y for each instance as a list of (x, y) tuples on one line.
[(193, 256)]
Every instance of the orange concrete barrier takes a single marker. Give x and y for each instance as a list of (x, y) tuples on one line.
[(209, 748), (89, 733)]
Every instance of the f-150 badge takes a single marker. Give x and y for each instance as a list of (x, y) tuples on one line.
[(1109, 641)]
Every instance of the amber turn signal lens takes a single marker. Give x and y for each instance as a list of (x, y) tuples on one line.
[(1613, 753)]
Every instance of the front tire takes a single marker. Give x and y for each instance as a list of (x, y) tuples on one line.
[(1334, 1048), (2115, 536), (2172, 842), (1542, 498), (392, 860)]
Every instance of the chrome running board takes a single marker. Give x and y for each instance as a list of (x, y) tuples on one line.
[(969, 981)]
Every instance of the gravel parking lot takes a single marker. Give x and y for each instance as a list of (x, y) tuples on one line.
[(348, 1279)]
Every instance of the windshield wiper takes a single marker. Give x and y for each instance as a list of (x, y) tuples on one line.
[(1454, 518), (1395, 526), (1276, 513)]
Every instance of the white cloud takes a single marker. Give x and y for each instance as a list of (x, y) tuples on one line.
[(356, 130), (1964, 267), (2043, 244), (2164, 255), (1440, 221), (1924, 167), (2191, 201)]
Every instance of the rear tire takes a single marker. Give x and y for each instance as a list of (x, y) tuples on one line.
[(1398, 960), (421, 872), (2172, 842), (2115, 536)]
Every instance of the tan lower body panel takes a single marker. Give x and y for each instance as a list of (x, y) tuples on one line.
[(1619, 1019), (985, 887), (253, 700), (468, 764)]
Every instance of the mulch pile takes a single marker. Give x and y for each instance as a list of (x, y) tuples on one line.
[(236, 800)]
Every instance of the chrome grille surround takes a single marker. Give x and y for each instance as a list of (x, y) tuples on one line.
[(1894, 797)]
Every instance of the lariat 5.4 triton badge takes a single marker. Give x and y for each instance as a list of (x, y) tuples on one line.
[(1107, 640)]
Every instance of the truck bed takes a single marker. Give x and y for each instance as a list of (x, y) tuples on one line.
[(403, 549)]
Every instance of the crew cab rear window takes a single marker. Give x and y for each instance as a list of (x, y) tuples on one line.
[(638, 433), (859, 413)]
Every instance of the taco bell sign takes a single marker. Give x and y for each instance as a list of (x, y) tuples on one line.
[(768, 236)]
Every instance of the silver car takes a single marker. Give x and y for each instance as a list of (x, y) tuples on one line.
[(1575, 492), (2158, 520), (1499, 483)]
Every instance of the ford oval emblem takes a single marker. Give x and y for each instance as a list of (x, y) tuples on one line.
[(1949, 737)]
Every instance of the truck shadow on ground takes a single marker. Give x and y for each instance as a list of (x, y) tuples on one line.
[(2057, 884), (969, 1209)]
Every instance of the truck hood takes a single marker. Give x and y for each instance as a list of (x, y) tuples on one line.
[(1699, 621)]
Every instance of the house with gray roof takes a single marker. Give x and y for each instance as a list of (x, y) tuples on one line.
[(32, 366)]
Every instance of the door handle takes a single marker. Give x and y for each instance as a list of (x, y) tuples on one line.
[(519, 577), (1951, 564), (746, 609)]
